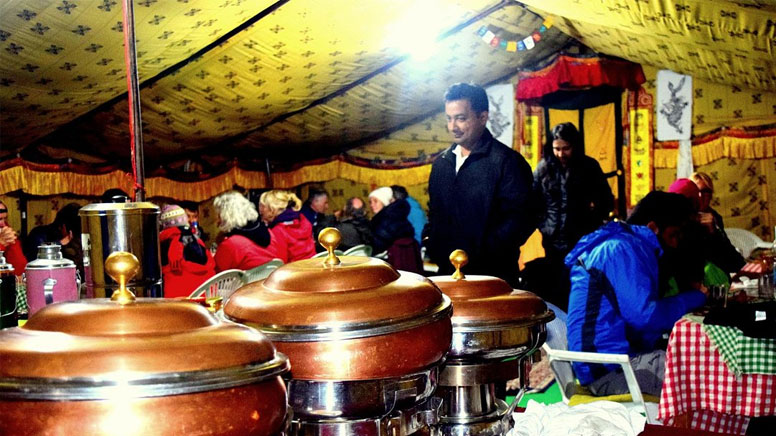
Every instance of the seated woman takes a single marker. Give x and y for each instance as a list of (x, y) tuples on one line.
[(246, 242), (291, 232), (722, 252), (354, 225), (186, 261), (392, 231)]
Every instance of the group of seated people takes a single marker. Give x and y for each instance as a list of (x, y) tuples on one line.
[(282, 227)]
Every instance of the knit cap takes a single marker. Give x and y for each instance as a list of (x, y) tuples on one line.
[(384, 195), (173, 216)]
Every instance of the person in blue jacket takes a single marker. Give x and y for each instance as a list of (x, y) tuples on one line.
[(614, 305), (416, 217)]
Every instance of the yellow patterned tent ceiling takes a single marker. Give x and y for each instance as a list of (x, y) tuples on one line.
[(731, 42), (247, 80), (294, 80)]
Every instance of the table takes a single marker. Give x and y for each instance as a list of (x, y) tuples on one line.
[(701, 392)]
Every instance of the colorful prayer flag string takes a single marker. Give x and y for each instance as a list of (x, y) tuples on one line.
[(523, 44)]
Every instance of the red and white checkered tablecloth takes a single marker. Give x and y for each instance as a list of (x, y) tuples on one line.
[(699, 384)]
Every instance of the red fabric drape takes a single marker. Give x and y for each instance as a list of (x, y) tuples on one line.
[(568, 72)]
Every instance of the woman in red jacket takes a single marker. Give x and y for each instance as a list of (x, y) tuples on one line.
[(186, 261), (247, 243), (292, 233)]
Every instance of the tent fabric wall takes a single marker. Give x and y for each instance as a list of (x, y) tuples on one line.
[(744, 192)]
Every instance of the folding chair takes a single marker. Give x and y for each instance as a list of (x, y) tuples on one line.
[(221, 285), (560, 363), (262, 271)]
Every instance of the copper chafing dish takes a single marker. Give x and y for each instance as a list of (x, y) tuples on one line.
[(495, 328), (126, 366), (365, 340)]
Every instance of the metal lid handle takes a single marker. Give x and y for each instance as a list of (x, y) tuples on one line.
[(458, 258), (122, 267), (330, 239)]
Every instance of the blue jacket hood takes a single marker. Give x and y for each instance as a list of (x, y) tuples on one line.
[(607, 231)]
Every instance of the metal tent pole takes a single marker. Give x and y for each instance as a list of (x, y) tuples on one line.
[(133, 88)]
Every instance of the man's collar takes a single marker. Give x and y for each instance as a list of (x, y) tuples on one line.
[(482, 145)]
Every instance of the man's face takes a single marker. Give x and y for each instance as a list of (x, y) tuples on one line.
[(193, 216), (705, 195), (670, 236), (320, 204), (562, 150), (3, 215), (465, 125)]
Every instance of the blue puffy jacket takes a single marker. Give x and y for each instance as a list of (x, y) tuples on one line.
[(614, 306)]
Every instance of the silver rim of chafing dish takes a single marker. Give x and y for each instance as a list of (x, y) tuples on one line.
[(496, 343), (349, 399), (112, 387)]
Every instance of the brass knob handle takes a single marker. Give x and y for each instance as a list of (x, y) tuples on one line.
[(122, 267), (459, 258), (329, 238)]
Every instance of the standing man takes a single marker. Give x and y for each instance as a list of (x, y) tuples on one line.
[(479, 192)]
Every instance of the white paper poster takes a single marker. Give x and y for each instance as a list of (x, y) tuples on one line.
[(501, 113), (674, 106)]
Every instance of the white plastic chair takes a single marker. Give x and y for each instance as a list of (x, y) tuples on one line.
[(745, 241), (262, 271), (560, 363), (221, 285), (359, 250)]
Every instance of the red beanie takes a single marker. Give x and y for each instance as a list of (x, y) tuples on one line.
[(687, 188)]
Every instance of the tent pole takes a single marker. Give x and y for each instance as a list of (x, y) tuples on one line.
[(135, 122)]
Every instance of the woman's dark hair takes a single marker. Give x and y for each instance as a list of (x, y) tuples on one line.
[(567, 132), (350, 211)]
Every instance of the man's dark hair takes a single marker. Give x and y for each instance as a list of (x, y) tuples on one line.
[(664, 208), (477, 96), (68, 217), (189, 205), (315, 193), (399, 192), (113, 195)]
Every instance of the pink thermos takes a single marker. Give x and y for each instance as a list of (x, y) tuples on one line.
[(51, 278)]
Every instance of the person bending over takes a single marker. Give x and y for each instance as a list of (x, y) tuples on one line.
[(614, 305)]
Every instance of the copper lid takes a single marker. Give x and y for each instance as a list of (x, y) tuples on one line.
[(489, 301), (129, 339), (336, 297)]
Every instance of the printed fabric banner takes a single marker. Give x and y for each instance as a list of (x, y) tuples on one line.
[(674, 106), (531, 140), (501, 116), (640, 155)]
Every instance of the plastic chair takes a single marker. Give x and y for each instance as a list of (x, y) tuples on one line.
[(560, 363), (745, 241), (262, 271), (222, 284), (359, 250)]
